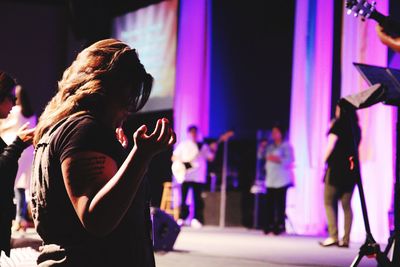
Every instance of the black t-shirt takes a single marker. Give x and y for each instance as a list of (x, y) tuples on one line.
[(348, 139), (130, 243), (86, 134)]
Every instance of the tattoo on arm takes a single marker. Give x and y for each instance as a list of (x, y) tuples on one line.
[(85, 171)]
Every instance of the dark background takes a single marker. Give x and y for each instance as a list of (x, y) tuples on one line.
[(251, 65), (251, 68)]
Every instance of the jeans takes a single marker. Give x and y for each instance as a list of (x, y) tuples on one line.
[(198, 201), (21, 204)]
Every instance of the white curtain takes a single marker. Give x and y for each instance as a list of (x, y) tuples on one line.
[(310, 112)]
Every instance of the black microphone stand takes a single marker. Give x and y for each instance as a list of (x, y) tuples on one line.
[(385, 86), (370, 248)]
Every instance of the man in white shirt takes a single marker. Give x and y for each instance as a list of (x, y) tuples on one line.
[(191, 157)]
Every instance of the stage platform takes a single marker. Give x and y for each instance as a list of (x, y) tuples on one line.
[(233, 247)]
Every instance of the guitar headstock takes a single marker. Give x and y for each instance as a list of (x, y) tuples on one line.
[(224, 137), (360, 8)]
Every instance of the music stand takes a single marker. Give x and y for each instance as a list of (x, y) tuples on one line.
[(389, 94)]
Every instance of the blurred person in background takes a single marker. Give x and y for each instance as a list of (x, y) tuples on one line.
[(279, 177), (9, 155), (189, 166), (20, 114), (341, 174)]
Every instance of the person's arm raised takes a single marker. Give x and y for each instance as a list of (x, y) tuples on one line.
[(99, 191)]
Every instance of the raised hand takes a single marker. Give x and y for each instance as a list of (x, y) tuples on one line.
[(119, 132), (25, 134), (274, 158), (160, 139)]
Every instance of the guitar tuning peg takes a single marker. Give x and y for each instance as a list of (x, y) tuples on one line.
[(373, 3), (349, 12), (349, 3), (356, 15)]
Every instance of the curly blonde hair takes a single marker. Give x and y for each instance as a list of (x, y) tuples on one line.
[(98, 70)]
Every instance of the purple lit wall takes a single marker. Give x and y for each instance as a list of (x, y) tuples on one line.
[(310, 112), (361, 44), (191, 103)]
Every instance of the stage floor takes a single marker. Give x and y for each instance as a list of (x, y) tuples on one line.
[(233, 247), (239, 247)]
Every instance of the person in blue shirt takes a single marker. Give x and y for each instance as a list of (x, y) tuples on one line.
[(279, 177)]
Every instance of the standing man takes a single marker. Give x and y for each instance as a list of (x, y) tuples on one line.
[(279, 177), (190, 169)]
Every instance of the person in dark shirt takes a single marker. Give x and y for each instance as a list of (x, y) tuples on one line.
[(9, 155), (341, 175), (89, 196)]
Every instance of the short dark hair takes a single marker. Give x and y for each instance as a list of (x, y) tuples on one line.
[(280, 127), (347, 111), (24, 101), (192, 128), (7, 84)]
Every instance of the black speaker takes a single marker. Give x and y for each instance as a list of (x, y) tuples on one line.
[(165, 230), (233, 215)]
